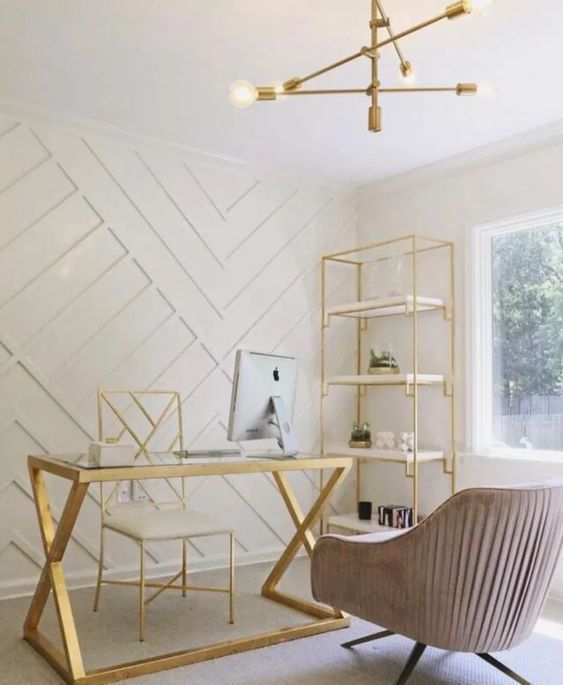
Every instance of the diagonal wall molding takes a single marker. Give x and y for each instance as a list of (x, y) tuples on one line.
[(128, 263)]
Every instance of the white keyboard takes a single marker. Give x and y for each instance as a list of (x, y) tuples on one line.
[(208, 454)]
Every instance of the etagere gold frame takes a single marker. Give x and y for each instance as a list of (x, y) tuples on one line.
[(68, 662), (411, 305)]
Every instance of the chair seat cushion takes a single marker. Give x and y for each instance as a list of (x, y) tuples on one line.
[(380, 536), (165, 524)]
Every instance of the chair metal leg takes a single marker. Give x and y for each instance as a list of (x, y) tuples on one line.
[(504, 669), (415, 655), (100, 571), (142, 595), (231, 578), (367, 638), (184, 565)]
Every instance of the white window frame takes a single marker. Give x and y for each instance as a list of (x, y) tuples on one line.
[(479, 307)]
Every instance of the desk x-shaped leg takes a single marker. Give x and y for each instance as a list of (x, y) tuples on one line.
[(69, 665), (303, 536)]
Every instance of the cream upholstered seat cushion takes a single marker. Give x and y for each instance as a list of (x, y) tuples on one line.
[(149, 523), (372, 537)]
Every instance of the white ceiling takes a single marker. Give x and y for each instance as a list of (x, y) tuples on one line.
[(162, 68)]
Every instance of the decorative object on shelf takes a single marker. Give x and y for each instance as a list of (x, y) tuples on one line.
[(395, 516), (406, 442), (360, 436), (395, 276), (365, 510), (385, 440), (243, 94), (383, 363), (386, 277)]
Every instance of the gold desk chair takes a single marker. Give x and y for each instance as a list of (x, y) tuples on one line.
[(155, 519)]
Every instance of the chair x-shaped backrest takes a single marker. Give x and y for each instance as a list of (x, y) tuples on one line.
[(123, 426)]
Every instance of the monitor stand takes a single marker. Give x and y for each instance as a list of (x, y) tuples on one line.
[(287, 440)]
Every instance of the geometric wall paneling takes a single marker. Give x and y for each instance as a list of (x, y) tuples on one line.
[(6, 124), (133, 264), (15, 440), (160, 216), (38, 248), (18, 558), (59, 287), (97, 305), (92, 364), (221, 231), (225, 186), (20, 153), (46, 185), (144, 244), (240, 505), (5, 354), (42, 409)]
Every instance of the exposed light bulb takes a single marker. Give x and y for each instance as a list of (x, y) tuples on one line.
[(242, 94), (476, 5), (485, 90), (408, 74)]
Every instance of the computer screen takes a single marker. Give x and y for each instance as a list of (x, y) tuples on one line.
[(263, 398)]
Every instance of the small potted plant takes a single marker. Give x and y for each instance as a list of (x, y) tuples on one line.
[(360, 436), (382, 363)]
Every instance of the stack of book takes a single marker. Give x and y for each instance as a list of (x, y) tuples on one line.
[(395, 516)]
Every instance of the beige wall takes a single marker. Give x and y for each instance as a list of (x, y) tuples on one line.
[(447, 201)]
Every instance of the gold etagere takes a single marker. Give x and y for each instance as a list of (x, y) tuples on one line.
[(365, 309)]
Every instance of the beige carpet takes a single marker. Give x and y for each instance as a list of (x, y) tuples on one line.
[(175, 623)]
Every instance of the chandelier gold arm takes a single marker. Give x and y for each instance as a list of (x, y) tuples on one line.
[(303, 79), (459, 89), (407, 32), (243, 93), (387, 24), (450, 12)]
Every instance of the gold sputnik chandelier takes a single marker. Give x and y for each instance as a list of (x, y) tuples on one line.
[(243, 94)]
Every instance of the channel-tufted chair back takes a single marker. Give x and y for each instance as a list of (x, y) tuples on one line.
[(472, 577)]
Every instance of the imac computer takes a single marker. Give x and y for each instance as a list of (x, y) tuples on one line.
[(262, 400)]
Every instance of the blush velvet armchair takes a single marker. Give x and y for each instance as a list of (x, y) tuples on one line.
[(472, 577)]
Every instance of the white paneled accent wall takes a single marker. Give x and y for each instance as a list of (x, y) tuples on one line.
[(129, 264)]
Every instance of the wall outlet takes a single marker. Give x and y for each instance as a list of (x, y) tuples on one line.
[(124, 492), (139, 495)]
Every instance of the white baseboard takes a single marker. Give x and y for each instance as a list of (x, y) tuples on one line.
[(26, 586)]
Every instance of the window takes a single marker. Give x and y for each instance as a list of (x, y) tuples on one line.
[(517, 394)]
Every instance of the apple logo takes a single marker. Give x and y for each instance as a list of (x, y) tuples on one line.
[(276, 374)]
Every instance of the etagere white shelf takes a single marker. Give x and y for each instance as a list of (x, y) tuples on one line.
[(387, 379), (385, 306), (352, 524), (412, 306), (392, 455)]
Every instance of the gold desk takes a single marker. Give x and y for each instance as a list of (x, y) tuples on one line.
[(69, 664)]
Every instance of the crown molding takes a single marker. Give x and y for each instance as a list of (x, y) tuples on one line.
[(508, 148), (93, 127)]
